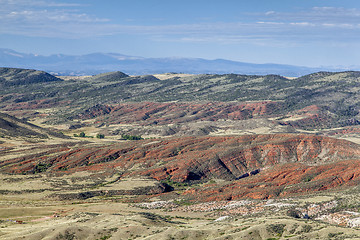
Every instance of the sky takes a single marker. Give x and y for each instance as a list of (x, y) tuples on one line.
[(310, 33)]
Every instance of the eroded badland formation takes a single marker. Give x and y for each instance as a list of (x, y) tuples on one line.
[(178, 156)]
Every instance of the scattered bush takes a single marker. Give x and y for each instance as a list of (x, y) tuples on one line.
[(100, 136), (41, 167), (334, 235), (130, 137), (306, 228), (293, 213), (277, 229), (82, 135)]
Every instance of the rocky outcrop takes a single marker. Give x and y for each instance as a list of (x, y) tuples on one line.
[(283, 180)]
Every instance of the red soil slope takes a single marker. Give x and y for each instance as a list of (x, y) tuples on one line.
[(165, 113), (259, 166), (150, 113), (283, 180)]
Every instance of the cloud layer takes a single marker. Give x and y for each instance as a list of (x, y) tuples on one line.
[(68, 20)]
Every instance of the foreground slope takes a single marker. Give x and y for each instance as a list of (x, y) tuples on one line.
[(257, 166), (184, 188), (118, 221)]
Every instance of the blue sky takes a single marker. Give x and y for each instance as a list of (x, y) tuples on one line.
[(297, 32)]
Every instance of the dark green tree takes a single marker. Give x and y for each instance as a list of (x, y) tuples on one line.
[(100, 136)]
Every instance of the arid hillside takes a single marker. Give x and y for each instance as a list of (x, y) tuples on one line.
[(13, 127), (147, 113), (267, 163), (178, 156), (335, 95)]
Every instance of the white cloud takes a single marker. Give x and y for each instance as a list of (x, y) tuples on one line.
[(35, 3), (270, 13), (64, 20), (319, 15), (47, 19), (35, 12), (304, 24), (332, 11), (271, 23)]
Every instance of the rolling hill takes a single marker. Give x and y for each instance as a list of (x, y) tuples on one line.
[(181, 156), (12, 127), (318, 101)]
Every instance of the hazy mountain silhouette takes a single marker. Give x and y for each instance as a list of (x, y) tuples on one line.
[(96, 63)]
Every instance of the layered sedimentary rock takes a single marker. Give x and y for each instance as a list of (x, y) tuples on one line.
[(257, 166)]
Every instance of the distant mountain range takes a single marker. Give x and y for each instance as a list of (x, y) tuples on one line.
[(95, 63)]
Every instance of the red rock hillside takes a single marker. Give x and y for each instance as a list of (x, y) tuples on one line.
[(171, 113), (259, 166)]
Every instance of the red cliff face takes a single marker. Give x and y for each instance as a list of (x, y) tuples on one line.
[(283, 180), (258, 166)]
